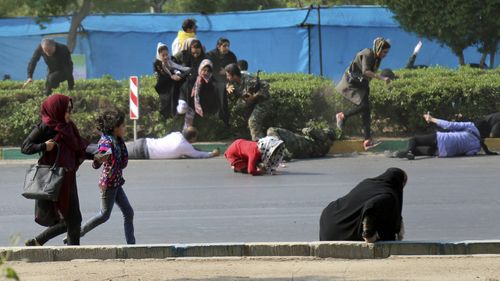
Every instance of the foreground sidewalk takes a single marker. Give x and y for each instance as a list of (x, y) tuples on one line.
[(340, 249), (453, 268)]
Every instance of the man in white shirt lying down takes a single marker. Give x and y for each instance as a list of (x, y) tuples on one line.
[(172, 146)]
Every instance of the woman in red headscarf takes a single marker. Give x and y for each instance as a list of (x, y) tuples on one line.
[(57, 129)]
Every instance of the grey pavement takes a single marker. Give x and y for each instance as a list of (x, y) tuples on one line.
[(196, 201)]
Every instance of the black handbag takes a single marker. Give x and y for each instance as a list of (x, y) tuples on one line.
[(356, 80), (44, 182)]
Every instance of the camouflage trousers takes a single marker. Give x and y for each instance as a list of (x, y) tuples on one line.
[(311, 143), (257, 118)]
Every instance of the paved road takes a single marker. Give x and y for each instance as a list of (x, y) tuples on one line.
[(187, 201)]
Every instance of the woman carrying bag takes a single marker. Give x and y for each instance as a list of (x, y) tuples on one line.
[(56, 128), (355, 86)]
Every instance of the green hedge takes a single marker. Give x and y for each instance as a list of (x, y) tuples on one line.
[(298, 100), (445, 93)]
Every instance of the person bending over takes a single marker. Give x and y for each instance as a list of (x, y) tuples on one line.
[(370, 212), (60, 66), (255, 158)]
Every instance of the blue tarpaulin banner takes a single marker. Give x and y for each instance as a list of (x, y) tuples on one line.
[(280, 40)]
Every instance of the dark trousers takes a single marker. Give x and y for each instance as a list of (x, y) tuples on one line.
[(109, 197), (71, 224), (223, 104), (55, 78), (137, 149), (423, 144), (364, 109)]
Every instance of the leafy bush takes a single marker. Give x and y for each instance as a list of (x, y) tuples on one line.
[(445, 93), (299, 100)]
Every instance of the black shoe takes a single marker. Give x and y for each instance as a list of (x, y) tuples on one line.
[(31, 243), (410, 155), (400, 154)]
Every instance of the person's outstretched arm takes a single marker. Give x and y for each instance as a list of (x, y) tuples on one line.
[(449, 125), (188, 150), (32, 64)]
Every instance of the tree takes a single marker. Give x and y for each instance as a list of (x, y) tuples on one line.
[(306, 3), (487, 26), (217, 6), (42, 10), (455, 23)]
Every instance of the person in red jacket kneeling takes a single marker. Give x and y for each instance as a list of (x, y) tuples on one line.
[(255, 158)]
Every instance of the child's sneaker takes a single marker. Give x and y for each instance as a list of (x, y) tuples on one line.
[(410, 155)]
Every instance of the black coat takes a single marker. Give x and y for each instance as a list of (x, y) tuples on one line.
[(208, 96), (380, 199), (220, 61), (168, 90), (45, 211), (59, 61)]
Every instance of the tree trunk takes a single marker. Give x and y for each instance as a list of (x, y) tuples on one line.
[(461, 59), (157, 5), (76, 20), (484, 54), (492, 58)]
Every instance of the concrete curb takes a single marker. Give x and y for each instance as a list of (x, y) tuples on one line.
[(342, 249), (338, 147)]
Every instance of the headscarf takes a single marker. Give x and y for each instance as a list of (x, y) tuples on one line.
[(52, 111), (71, 146), (486, 123), (195, 92), (379, 44), (169, 66), (342, 218), (271, 150)]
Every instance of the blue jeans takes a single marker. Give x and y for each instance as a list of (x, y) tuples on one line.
[(108, 199)]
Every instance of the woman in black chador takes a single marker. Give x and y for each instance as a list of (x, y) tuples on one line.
[(169, 78), (371, 211)]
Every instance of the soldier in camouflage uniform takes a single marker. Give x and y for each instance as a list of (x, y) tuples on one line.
[(312, 143), (253, 98)]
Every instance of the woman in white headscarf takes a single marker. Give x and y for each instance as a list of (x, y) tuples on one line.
[(169, 78), (355, 85)]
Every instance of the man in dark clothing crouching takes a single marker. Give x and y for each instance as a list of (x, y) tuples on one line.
[(58, 59)]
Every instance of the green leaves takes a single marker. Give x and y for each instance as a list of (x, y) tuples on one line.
[(455, 23), (446, 93), (298, 100)]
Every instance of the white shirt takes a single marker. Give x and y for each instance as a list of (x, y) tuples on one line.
[(172, 146), (176, 47)]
